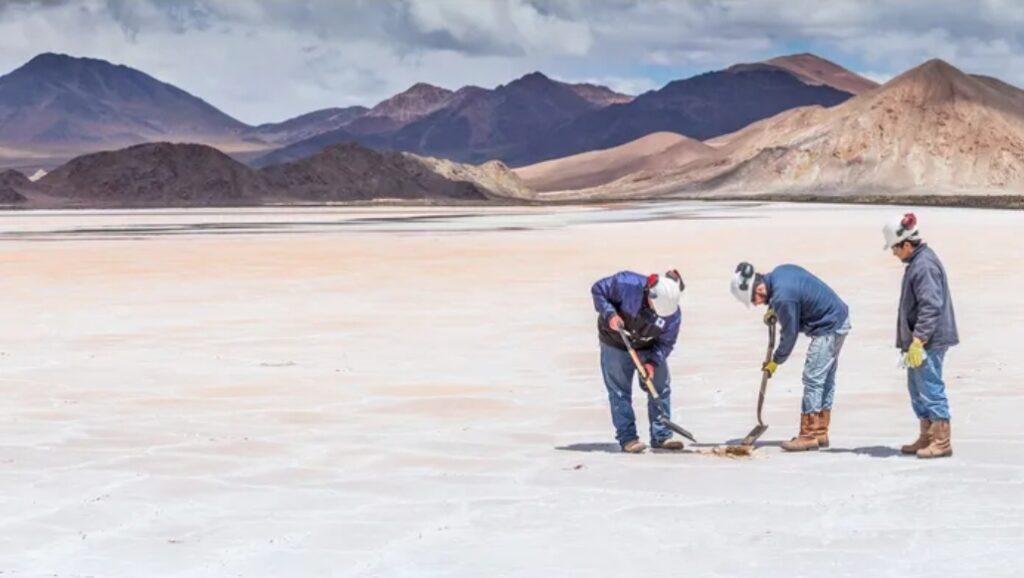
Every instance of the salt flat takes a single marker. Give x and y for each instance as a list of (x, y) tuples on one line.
[(415, 392)]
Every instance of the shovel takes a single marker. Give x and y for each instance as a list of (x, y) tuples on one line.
[(646, 379), (762, 427)]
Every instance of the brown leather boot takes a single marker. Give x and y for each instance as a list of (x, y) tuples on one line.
[(940, 446), (821, 432), (923, 439), (806, 440), (634, 447), (670, 444)]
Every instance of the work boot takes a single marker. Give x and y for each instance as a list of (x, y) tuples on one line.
[(670, 444), (923, 439), (806, 440), (634, 447), (940, 446), (821, 432)]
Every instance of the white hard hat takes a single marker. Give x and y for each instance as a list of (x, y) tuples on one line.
[(742, 285), (900, 229), (664, 291)]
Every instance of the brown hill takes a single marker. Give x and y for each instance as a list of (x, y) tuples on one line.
[(655, 152), (188, 175), (418, 101), (599, 95), (156, 174), (817, 71), (931, 130), (493, 178), (350, 172)]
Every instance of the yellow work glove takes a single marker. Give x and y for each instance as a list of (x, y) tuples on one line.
[(770, 317), (915, 355), (770, 367)]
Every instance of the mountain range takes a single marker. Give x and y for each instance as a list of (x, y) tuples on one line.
[(472, 124), (58, 106), (793, 125), (536, 118)]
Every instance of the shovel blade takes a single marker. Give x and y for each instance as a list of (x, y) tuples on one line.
[(677, 428), (754, 434)]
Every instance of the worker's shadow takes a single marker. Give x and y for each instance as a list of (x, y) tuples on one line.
[(607, 448), (612, 448), (757, 444), (872, 451)]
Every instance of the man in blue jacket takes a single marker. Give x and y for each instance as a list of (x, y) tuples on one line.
[(801, 303), (647, 307), (925, 330)]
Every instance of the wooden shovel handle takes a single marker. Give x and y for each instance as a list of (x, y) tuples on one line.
[(639, 365), (764, 373)]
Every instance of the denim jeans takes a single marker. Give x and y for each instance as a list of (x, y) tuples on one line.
[(820, 370), (618, 371), (927, 390)]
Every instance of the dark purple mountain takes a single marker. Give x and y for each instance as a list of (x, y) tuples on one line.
[(61, 102)]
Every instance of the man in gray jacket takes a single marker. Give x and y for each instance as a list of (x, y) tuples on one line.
[(925, 329)]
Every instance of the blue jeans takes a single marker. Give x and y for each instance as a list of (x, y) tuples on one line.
[(618, 370), (927, 390), (820, 370)]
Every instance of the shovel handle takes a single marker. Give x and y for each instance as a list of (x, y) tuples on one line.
[(639, 365), (643, 374), (764, 373), (650, 388)]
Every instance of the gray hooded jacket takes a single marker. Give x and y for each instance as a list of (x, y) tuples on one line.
[(926, 306)]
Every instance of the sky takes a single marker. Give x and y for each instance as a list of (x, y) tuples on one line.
[(268, 60)]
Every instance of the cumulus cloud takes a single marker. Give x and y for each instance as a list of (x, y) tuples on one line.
[(511, 27), (264, 60)]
